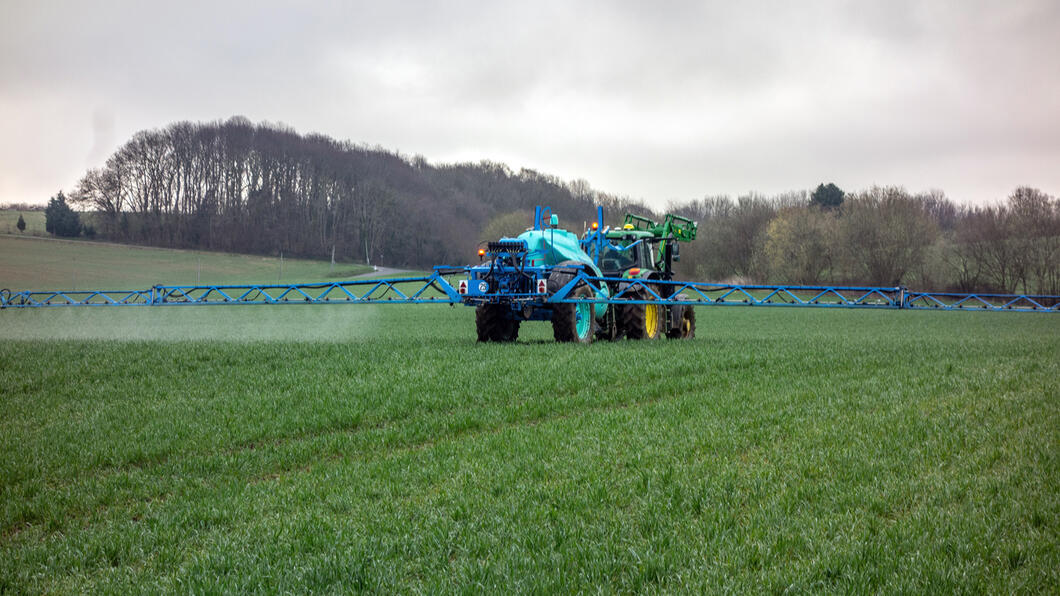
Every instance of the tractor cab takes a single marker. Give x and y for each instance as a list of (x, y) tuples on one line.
[(627, 250), (643, 248)]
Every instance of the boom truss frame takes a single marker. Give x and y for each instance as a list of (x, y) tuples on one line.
[(437, 289)]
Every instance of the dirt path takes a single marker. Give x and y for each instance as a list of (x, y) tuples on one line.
[(382, 272)]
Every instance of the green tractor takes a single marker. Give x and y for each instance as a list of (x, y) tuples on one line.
[(642, 249)]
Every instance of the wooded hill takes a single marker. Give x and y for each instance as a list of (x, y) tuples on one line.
[(265, 189), (237, 186)]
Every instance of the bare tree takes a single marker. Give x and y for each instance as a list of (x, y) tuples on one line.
[(1035, 240), (984, 250), (799, 244), (883, 234)]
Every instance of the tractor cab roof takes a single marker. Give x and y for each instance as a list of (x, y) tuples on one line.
[(620, 234)]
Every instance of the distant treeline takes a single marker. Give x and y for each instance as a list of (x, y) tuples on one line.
[(237, 186), (881, 236)]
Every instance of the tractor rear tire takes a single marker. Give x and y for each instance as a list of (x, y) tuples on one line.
[(493, 323), (574, 322), (684, 317), (571, 322), (641, 321)]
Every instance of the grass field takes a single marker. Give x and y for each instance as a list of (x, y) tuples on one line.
[(47, 264), (379, 448), (34, 222)]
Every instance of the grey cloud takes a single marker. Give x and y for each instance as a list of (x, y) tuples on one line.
[(665, 100)]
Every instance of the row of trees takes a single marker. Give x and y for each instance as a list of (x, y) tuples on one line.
[(881, 236), (237, 186)]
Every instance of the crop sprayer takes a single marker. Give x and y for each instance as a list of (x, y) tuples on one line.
[(609, 283)]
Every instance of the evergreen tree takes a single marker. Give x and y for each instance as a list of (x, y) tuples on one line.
[(21, 225), (60, 219), (827, 196)]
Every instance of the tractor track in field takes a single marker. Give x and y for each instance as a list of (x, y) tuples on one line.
[(496, 429), (13, 530)]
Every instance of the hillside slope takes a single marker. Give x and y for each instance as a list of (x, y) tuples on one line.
[(44, 264), (240, 187)]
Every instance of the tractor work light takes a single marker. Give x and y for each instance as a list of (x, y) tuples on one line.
[(596, 226), (481, 253), (542, 286)]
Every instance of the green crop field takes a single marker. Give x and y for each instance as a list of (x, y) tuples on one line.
[(34, 222), (380, 448), (47, 264)]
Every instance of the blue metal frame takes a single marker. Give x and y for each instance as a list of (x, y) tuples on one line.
[(418, 290), (1003, 302), (712, 294), (406, 290)]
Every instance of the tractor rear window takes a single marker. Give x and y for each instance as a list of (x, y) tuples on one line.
[(612, 259)]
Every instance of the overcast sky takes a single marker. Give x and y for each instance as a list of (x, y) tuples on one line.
[(655, 100)]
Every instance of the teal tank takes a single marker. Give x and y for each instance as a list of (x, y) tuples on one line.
[(552, 247)]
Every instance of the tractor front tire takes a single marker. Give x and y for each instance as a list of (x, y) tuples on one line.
[(571, 322), (574, 322), (641, 321), (494, 323)]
